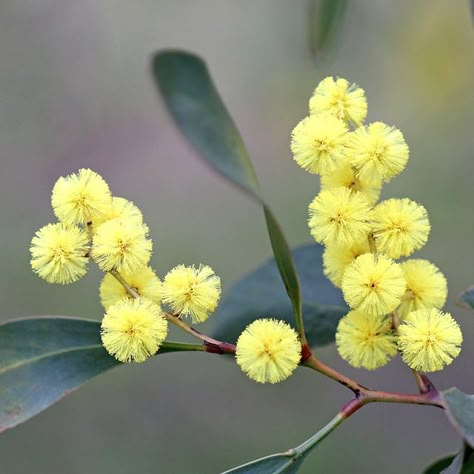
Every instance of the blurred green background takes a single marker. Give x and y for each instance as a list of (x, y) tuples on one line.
[(75, 91)]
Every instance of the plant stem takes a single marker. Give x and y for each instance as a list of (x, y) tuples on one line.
[(170, 346), (319, 436)]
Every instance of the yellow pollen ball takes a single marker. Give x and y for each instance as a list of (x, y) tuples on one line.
[(318, 143), (339, 217), (400, 227), (429, 339), (81, 198), (59, 253), (426, 286), (121, 246), (373, 285), (377, 152), (366, 341), (192, 291), (143, 281), (338, 97), (133, 330), (268, 351)]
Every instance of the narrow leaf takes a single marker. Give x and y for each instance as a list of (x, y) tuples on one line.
[(466, 298), (260, 294), (194, 103), (326, 17), (282, 463), (43, 359), (460, 411)]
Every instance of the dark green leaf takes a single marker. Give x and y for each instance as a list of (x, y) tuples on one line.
[(282, 463), (44, 359), (326, 18), (460, 411), (261, 294), (193, 101), (195, 105), (466, 298), (438, 466)]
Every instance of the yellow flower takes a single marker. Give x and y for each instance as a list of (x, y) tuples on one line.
[(268, 351), (344, 176), (373, 285), (339, 217), (377, 152), (426, 286), (400, 227), (59, 253), (125, 209), (318, 143), (133, 330), (192, 291), (429, 340), (143, 281), (81, 198), (345, 101), (337, 259), (121, 246), (366, 341)]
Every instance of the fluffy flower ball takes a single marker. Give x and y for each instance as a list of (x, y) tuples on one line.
[(126, 210), (400, 227), (318, 143), (366, 341), (192, 291), (429, 340), (339, 217), (340, 98), (59, 253), (143, 281), (133, 330), (81, 198), (121, 245), (345, 176), (378, 152), (373, 285), (337, 259), (268, 351), (426, 286)]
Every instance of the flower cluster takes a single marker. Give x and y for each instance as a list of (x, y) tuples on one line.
[(109, 230), (395, 305)]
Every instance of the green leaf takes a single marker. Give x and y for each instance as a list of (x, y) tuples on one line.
[(260, 294), (194, 103), (460, 411), (438, 466), (275, 464), (43, 359), (460, 463), (326, 20), (466, 298)]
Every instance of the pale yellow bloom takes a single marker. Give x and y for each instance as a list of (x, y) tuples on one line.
[(143, 281), (429, 339), (81, 198), (377, 152), (340, 98), (192, 291), (339, 217), (59, 253), (400, 227), (318, 143), (426, 286), (121, 245), (125, 209), (366, 341), (373, 285), (133, 330), (344, 176), (268, 351), (337, 259)]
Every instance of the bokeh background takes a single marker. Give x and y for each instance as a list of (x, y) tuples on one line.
[(75, 91)]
